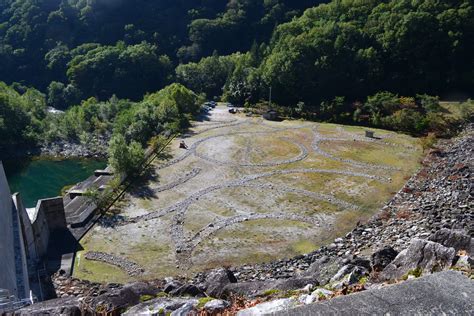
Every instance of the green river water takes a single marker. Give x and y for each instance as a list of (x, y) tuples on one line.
[(44, 178)]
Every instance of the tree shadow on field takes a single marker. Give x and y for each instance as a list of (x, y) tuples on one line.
[(141, 186), (203, 117)]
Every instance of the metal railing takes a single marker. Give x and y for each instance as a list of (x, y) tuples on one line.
[(9, 303)]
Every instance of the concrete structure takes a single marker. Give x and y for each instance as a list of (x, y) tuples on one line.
[(13, 259), (35, 232), (53, 211), (271, 115), (37, 242), (24, 241), (369, 134)]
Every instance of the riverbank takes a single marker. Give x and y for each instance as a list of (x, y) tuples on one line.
[(94, 148)]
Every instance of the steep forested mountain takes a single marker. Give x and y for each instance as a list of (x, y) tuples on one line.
[(321, 57), (38, 38), (350, 47), (355, 48)]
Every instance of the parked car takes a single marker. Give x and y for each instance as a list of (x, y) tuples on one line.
[(211, 104), (205, 108)]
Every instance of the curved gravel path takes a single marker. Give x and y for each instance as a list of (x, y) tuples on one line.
[(241, 182), (318, 138), (192, 149), (232, 124), (303, 154), (195, 172), (214, 122), (185, 249), (130, 267), (315, 195), (179, 209), (184, 204), (378, 140)]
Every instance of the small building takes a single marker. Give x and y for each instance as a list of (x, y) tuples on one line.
[(271, 115), (370, 134)]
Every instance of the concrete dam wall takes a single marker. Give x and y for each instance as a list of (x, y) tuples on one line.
[(14, 276)]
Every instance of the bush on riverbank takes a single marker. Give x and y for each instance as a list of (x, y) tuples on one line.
[(125, 158)]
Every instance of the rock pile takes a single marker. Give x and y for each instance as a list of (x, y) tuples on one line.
[(71, 287), (96, 147), (131, 268)]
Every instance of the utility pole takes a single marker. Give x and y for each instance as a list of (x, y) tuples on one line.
[(270, 99)]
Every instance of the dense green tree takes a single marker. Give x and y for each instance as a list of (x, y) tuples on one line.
[(61, 96), (21, 116), (125, 158), (355, 48), (166, 110), (209, 75), (352, 47), (240, 86), (239, 26), (322, 61), (104, 70)]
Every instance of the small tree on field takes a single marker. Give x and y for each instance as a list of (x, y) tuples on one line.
[(125, 159)]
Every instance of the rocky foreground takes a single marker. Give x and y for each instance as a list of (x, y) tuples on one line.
[(426, 228)]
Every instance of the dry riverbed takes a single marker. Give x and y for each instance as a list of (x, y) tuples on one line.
[(249, 191)]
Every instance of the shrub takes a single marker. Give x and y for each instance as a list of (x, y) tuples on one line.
[(440, 125), (145, 298), (428, 141), (125, 159), (270, 292), (429, 103), (466, 111), (363, 281), (157, 142), (203, 301), (382, 103), (415, 272), (406, 120)]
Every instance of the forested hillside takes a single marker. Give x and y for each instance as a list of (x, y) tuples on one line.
[(121, 41), (320, 57)]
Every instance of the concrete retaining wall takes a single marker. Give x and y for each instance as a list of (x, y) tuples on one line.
[(28, 232), (7, 251), (13, 262), (53, 210)]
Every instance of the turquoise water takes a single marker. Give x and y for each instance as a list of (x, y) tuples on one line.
[(44, 178)]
